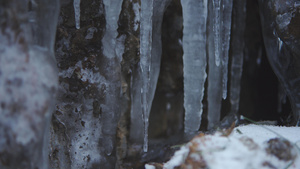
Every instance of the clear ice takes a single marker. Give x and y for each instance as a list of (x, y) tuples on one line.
[(145, 78), (76, 5), (145, 62), (226, 32), (214, 89), (194, 61), (217, 23)]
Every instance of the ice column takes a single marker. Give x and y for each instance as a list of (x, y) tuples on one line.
[(214, 89), (216, 29), (237, 41), (144, 79), (76, 5), (136, 125), (112, 9), (28, 82), (111, 111), (145, 62), (226, 28), (194, 60), (218, 44)]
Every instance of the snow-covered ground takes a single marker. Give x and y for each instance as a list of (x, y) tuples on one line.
[(245, 147)]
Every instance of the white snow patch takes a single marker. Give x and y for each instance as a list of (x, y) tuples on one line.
[(245, 148), (178, 158), (147, 166)]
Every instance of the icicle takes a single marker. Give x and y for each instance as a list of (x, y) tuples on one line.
[(238, 28), (214, 90), (112, 10), (144, 78), (136, 118), (110, 112), (76, 5), (145, 62), (194, 61), (217, 29), (227, 11)]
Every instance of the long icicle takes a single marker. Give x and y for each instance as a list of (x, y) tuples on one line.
[(194, 61), (214, 89), (238, 28), (226, 30), (76, 5), (217, 29), (145, 63)]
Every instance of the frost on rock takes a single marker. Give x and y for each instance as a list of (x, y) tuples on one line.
[(194, 61), (84, 125), (28, 83)]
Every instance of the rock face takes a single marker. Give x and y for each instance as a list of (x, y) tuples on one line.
[(280, 20), (84, 124)]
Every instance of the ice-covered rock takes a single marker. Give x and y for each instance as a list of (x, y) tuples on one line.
[(28, 82), (281, 38)]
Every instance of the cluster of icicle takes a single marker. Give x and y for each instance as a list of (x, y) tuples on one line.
[(206, 42)]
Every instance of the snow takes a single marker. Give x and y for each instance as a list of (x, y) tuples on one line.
[(147, 166), (260, 134), (245, 148), (178, 158)]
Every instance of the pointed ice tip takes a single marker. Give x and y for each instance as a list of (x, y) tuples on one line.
[(218, 62), (224, 96), (145, 147), (76, 4)]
